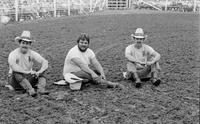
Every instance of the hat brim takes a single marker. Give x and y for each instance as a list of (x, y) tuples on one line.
[(141, 37), (136, 36), (17, 39)]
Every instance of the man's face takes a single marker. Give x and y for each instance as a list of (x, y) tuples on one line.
[(24, 46), (83, 45), (139, 41)]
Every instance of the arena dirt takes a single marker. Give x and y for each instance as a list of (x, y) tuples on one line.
[(175, 101)]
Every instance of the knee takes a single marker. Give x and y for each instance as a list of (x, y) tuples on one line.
[(131, 67), (71, 78), (18, 77), (42, 75), (128, 75), (155, 67), (42, 80)]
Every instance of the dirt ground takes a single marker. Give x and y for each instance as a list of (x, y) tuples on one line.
[(176, 101)]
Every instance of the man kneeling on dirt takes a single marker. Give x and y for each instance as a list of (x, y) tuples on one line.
[(20, 60), (76, 67), (142, 60)]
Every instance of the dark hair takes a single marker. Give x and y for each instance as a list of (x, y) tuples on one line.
[(83, 37)]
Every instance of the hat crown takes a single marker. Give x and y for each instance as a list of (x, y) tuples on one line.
[(139, 31), (26, 34)]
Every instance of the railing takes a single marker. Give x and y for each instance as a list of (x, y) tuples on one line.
[(21, 10), (36, 9), (117, 4), (167, 5)]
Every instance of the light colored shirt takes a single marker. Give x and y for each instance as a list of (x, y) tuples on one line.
[(85, 57), (141, 54), (25, 61)]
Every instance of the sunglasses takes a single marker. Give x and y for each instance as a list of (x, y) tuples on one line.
[(139, 38), (25, 42)]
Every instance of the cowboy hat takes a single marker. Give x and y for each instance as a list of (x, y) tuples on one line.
[(25, 36), (139, 33)]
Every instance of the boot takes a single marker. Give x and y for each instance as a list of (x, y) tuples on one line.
[(154, 79), (41, 86), (42, 91), (156, 82), (113, 85), (32, 93), (138, 83), (27, 86), (120, 86)]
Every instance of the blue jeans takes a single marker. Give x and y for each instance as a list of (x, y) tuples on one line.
[(16, 78)]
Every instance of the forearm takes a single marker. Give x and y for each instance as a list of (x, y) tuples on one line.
[(44, 67), (87, 69), (156, 58), (132, 59), (84, 67), (99, 68)]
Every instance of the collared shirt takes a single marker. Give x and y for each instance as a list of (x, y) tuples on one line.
[(25, 61), (140, 55)]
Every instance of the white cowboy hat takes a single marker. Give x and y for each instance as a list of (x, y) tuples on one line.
[(139, 33), (26, 36)]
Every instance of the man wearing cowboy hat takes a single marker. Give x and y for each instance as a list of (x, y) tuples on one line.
[(76, 67), (142, 60), (20, 60)]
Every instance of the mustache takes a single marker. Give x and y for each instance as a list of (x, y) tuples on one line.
[(82, 50), (83, 46), (25, 47)]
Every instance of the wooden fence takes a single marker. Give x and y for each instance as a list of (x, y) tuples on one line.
[(33, 9), (118, 4), (20, 10)]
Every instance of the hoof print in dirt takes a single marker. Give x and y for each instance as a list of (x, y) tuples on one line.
[(138, 85), (93, 121), (44, 93), (34, 95)]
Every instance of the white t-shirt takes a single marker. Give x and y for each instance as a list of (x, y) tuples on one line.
[(24, 60), (85, 57), (139, 54)]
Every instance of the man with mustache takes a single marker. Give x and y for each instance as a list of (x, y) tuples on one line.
[(20, 60), (142, 60), (76, 67)]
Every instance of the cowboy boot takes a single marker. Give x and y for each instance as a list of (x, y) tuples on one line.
[(27, 86), (138, 83), (154, 79), (41, 86), (112, 84)]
